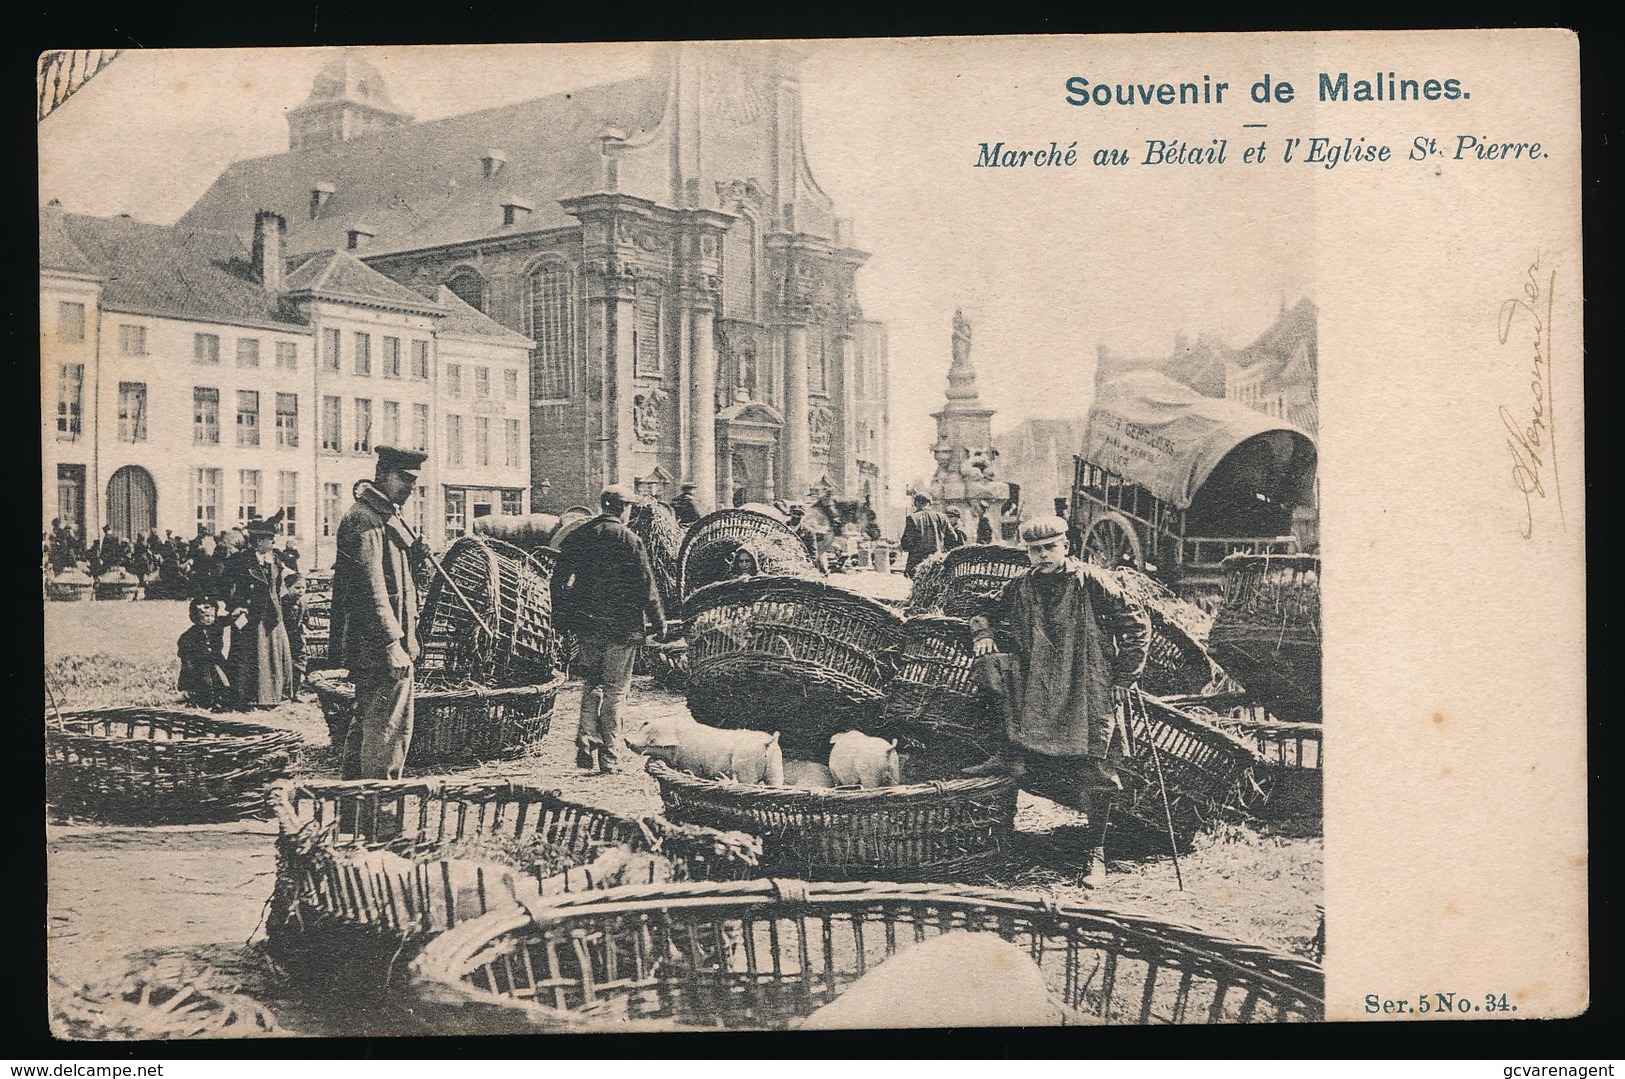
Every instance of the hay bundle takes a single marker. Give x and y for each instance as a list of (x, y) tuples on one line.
[(929, 586), (1177, 660)]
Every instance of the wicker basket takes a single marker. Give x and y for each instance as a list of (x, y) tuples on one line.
[(121, 589), (919, 831), (932, 699), (1203, 767), (656, 525), (368, 870), (453, 727), (1288, 791), (764, 954), (512, 592), (69, 589), (1176, 661), (1267, 633), (667, 662), (151, 766), (928, 585), (783, 653), (318, 627), (147, 1007), (707, 553), (976, 574)]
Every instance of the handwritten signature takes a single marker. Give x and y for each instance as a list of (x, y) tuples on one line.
[(1530, 440)]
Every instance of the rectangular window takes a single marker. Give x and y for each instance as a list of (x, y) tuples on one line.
[(132, 340), (363, 426), (330, 508), (70, 402), (332, 425), (482, 441), (206, 348), (454, 379), (363, 353), (420, 428), (392, 423), (330, 349), (510, 384), (417, 505), (510, 443), (456, 510), (482, 382), (207, 499), (248, 418), (287, 420), (392, 357), (420, 359), (205, 415), (513, 503), (132, 411), (454, 440), (248, 504), (248, 352), (70, 321), (287, 497), (287, 355)]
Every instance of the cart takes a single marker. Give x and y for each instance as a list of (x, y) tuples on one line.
[(1172, 482)]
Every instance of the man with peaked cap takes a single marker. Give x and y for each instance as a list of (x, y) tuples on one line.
[(603, 590), (925, 532), (1059, 648), (373, 629), (684, 506)]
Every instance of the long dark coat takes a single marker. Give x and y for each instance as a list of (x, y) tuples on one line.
[(375, 601), (261, 657)]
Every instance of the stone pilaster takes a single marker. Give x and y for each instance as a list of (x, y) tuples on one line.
[(797, 432)]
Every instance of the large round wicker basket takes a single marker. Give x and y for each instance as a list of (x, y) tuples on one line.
[(946, 830), (708, 548), (656, 525), (783, 653), (932, 699), (1267, 633), (120, 588), (71, 588), (1287, 794), (976, 574), (367, 870), (512, 592), (153, 766), (453, 726), (928, 585), (765, 954), (1176, 659)]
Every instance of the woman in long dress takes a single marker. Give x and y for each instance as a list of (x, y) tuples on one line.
[(261, 657)]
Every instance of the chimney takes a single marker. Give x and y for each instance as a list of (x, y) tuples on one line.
[(358, 237), (492, 162), (515, 210), (269, 228), (319, 194)]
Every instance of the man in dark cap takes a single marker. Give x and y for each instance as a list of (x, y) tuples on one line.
[(373, 631), (1059, 648), (684, 506), (926, 532), (603, 590)]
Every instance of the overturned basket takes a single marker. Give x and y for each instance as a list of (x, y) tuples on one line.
[(932, 699), (764, 954), (973, 576), (1288, 778), (512, 592), (152, 766), (943, 830), (368, 870), (123, 586), (1267, 633), (706, 556), (453, 726), (787, 654)]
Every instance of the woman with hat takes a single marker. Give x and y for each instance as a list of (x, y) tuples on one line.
[(262, 658)]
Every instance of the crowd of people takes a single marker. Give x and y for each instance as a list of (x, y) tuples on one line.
[(169, 566)]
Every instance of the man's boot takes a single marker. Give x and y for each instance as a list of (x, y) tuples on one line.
[(587, 756), (1094, 842)]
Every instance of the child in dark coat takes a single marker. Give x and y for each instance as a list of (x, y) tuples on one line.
[(204, 649), (293, 619)]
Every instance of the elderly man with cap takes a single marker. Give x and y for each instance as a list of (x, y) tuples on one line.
[(1059, 648), (684, 506), (373, 628), (603, 589)]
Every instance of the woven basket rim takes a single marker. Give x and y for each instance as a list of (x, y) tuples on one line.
[(665, 775), (1289, 561), (234, 729), (1158, 708), (337, 682), (997, 554), (751, 588)]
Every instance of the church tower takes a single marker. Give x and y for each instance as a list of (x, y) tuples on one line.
[(348, 99), (965, 476)]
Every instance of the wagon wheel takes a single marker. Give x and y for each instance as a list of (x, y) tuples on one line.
[(1110, 542)]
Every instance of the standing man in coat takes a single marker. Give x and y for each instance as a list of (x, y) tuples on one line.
[(1060, 649), (603, 590), (373, 631), (925, 532)]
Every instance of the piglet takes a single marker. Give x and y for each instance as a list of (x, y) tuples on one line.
[(808, 774), (746, 756), (858, 759)]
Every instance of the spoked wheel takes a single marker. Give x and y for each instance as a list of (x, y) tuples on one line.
[(1111, 543)]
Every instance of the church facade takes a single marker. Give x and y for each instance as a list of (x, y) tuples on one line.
[(690, 291)]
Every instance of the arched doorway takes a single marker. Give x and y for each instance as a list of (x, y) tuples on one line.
[(132, 502)]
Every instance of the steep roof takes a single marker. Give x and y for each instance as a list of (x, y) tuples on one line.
[(56, 250), (465, 320), (423, 184), (172, 270), (342, 276)]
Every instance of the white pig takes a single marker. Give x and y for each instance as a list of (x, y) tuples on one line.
[(747, 756), (808, 774), (861, 760)]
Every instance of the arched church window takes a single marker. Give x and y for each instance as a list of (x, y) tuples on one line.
[(550, 322), (470, 287)]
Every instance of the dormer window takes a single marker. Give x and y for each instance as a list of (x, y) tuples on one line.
[(492, 163), (318, 198), (359, 235), (515, 211)]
